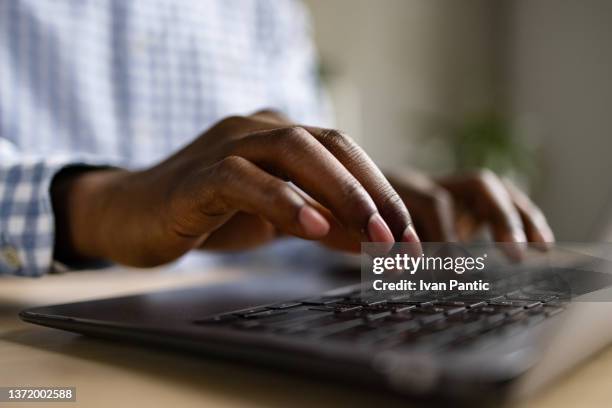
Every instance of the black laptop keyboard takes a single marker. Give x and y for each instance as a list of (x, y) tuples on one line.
[(424, 319)]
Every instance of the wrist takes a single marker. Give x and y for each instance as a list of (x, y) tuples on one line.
[(82, 200)]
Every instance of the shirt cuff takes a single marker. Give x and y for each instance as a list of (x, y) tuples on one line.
[(27, 224)]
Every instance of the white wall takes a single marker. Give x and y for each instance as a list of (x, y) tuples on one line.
[(398, 61), (560, 73)]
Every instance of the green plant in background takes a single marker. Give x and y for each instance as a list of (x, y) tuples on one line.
[(487, 140)]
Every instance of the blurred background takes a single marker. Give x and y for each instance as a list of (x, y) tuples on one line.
[(521, 87)]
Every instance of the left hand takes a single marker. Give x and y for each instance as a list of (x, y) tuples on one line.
[(455, 208)]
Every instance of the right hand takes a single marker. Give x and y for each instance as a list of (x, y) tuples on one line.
[(229, 189)]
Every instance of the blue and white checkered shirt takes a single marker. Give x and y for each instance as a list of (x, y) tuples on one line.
[(127, 83)]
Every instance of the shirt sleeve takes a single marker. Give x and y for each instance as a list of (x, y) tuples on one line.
[(295, 77), (26, 217)]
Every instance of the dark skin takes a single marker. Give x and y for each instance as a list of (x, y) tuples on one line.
[(247, 180)]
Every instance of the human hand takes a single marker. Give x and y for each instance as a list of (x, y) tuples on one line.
[(455, 208), (238, 184)]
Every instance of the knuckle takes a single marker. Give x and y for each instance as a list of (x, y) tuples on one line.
[(340, 144), (213, 200), (289, 140), (281, 195), (357, 199), (391, 200), (335, 135), (486, 184), (393, 205), (294, 135), (337, 138), (485, 177), (352, 189), (224, 172), (234, 121), (279, 192), (207, 200), (537, 215), (230, 165)]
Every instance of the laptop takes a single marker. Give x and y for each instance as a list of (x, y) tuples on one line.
[(481, 348)]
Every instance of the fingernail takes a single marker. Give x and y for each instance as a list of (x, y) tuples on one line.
[(514, 252), (542, 242), (541, 246), (313, 223), (378, 231), (410, 235), (519, 237), (411, 238), (514, 244)]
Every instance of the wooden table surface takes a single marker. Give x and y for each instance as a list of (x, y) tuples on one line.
[(108, 374)]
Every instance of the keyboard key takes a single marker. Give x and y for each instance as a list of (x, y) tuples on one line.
[(225, 318), (482, 310), (367, 301), (245, 312), (337, 308), (286, 305), (451, 303), (347, 308), (556, 303), (264, 313), (405, 296), (375, 316), (321, 301), (455, 310), (427, 310), (419, 303), (402, 308), (519, 295), (428, 320), (329, 308), (531, 305), (380, 307)]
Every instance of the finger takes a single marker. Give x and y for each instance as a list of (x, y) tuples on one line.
[(360, 165), (272, 116), (239, 185), (338, 236), (241, 232), (430, 206), (490, 201), (242, 126), (536, 227), (466, 226), (294, 154)]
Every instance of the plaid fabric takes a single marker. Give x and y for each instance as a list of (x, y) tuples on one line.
[(129, 82)]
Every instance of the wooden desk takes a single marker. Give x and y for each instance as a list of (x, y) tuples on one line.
[(110, 374)]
